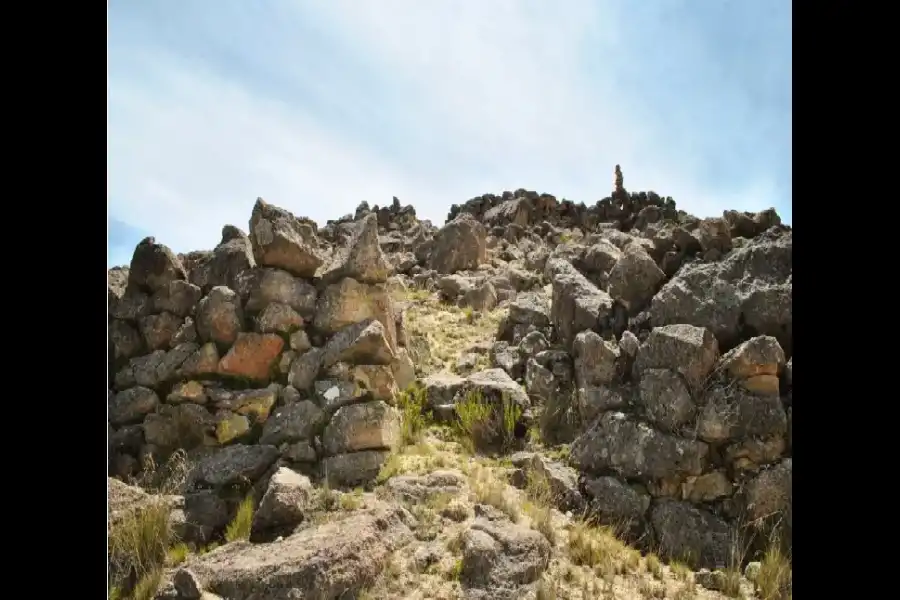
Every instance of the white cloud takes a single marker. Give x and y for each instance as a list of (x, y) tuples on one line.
[(493, 95)]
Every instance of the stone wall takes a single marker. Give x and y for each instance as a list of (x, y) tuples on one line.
[(276, 348), (675, 391), (657, 344)]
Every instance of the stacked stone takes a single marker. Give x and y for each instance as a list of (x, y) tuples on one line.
[(272, 348), (683, 442)]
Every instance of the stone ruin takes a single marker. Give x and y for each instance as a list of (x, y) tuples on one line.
[(660, 343)]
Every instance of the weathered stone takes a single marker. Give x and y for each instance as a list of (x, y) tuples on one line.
[(403, 369), (349, 302), (365, 342), (577, 304), (252, 356), (593, 401), (179, 426), (255, 402), (284, 503), (305, 369), (634, 279), (690, 534), (707, 487), (333, 560), (458, 246), (354, 468), (632, 449), (691, 351), (158, 330), (203, 361), (299, 341), (481, 298), (263, 287), (177, 297), (292, 423), (278, 318), (226, 264), (751, 287), (360, 257), (368, 426), (282, 241), (421, 488), (125, 340), (230, 426), (154, 266), (730, 413), (377, 380), (614, 502), (131, 405), (666, 399), (502, 556), (595, 360), (219, 317), (530, 309), (771, 492), (232, 465)]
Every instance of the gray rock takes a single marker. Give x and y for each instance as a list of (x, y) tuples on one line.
[(685, 532), (632, 449)]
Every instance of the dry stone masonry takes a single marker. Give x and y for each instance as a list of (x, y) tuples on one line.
[(656, 345)]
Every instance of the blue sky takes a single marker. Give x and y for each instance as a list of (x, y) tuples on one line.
[(316, 105)]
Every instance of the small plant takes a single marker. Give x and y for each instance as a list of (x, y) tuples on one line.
[(353, 500), (730, 582), (239, 528), (538, 490), (147, 585), (469, 314), (482, 423), (177, 554), (680, 570), (392, 466), (598, 548), (775, 573), (489, 490), (654, 567), (412, 403), (455, 571)]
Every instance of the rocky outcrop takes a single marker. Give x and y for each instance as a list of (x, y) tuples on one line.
[(659, 344)]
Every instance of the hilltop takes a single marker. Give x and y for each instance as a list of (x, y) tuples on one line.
[(538, 399)]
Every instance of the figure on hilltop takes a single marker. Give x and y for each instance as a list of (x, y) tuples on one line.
[(619, 195)]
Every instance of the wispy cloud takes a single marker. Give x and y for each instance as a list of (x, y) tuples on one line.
[(316, 106)]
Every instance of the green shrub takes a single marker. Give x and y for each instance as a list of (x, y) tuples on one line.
[(239, 528), (483, 424), (412, 403)]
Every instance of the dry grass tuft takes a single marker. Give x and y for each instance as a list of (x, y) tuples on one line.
[(448, 331), (775, 578), (483, 424), (598, 547), (141, 538), (489, 490), (239, 528)]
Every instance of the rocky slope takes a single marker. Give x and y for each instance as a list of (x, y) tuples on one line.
[(515, 405)]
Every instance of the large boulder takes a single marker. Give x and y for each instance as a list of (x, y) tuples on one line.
[(361, 257), (335, 560), (750, 291), (460, 245), (154, 266), (282, 241)]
